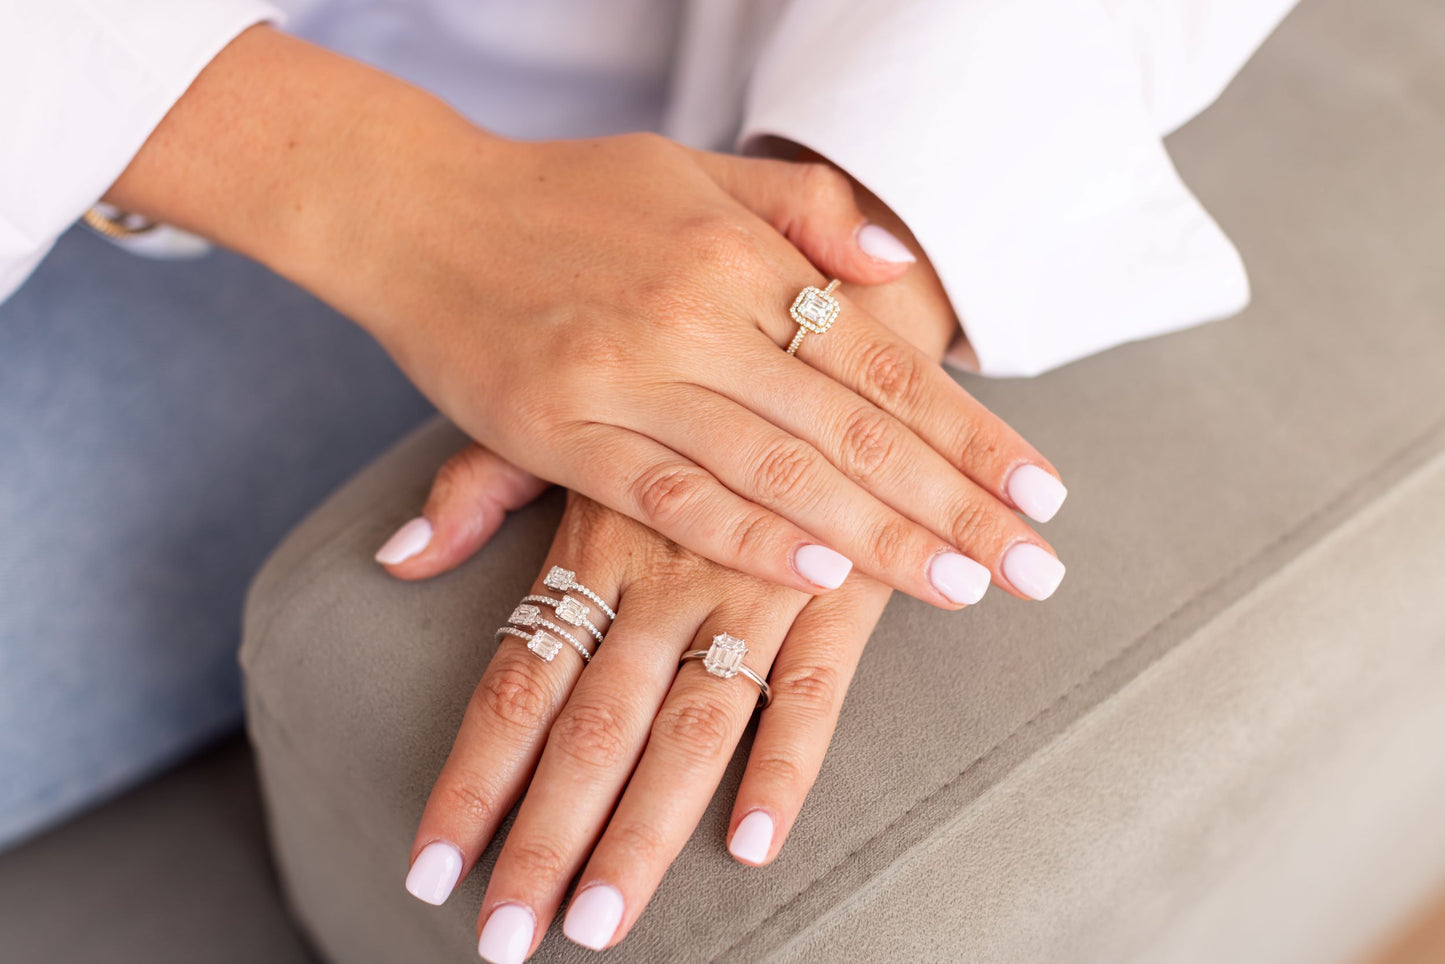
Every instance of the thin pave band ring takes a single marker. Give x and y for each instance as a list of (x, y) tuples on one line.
[(570, 610), (531, 617), (565, 580), (543, 644), (724, 659), (815, 311)]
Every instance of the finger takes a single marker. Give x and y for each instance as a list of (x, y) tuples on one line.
[(677, 498), (470, 497), (593, 746), (814, 207), (809, 679), (688, 748), (862, 354), (501, 735), (771, 467), (889, 462)]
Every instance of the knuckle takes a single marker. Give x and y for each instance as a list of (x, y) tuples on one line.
[(514, 696), (892, 375), (668, 493), (780, 768), (640, 843), (538, 860), (824, 187), (890, 544), (869, 444), (752, 537), (593, 734), (975, 523), (783, 470), (716, 240), (817, 688), (698, 730), (471, 803)]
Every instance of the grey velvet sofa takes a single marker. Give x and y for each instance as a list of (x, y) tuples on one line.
[(1222, 740)]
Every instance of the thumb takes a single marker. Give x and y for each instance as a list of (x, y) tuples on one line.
[(472, 493), (813, 205)]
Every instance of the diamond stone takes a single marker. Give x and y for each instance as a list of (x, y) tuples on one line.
[(725, 656), (559, 579), (572, 610), (545, 645), (815, 310), (526, 615)]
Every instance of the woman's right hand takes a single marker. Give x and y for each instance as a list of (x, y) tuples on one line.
[(608, 315)]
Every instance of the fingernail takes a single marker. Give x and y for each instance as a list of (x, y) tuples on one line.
[(405, 542), (1034, 572), (881, 245), (958, 577), (434, 873), (753, 838), (593, 917), (822, 566), (507, 935), (1037, 493)]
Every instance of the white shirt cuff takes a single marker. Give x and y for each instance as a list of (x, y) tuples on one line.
[(1016, 142), (85, 82)]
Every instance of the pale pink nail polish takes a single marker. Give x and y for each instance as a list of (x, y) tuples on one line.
[(753, 838), (882, 245), (435, 872), (507, 934), (594, 915), (822, 566), (959, 578), (1037, 493), (405, 542), (1035, 572)]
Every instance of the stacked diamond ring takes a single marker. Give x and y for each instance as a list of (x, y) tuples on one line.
[(724, 659)]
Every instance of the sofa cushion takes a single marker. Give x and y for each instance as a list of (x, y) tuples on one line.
[(1256, 552)]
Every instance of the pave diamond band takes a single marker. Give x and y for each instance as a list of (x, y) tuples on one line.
[(570, 610), (531, 617), (724, 659), (565, 580), (814, 310)]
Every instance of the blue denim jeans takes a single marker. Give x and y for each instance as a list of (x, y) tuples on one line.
[(162, 425)]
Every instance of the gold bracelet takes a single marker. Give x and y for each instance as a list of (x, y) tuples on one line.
[(117, 225)]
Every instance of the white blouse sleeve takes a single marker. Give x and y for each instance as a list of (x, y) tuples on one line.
[(1021, 142), (82, 85)]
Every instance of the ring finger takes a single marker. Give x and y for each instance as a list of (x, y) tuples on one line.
[(688, 748)]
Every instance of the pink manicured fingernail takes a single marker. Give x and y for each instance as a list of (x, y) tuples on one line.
[(958, 577), (507, 935), (434, 873), (881, 245), (593, 917), (1034, 572), (405, 542), (1037, 493), (753, 838), (822, 566)]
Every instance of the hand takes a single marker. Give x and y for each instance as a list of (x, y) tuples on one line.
[(607, 314), (628, 754)]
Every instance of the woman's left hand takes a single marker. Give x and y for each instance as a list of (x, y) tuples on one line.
[(628, 754)]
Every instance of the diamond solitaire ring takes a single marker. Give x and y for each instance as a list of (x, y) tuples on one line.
[(565, 580), (570, 610), (724, 659), (814, 311), (544, 633)]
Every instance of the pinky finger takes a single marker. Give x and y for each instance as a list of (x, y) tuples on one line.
[(684, 502), (809, 679)]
